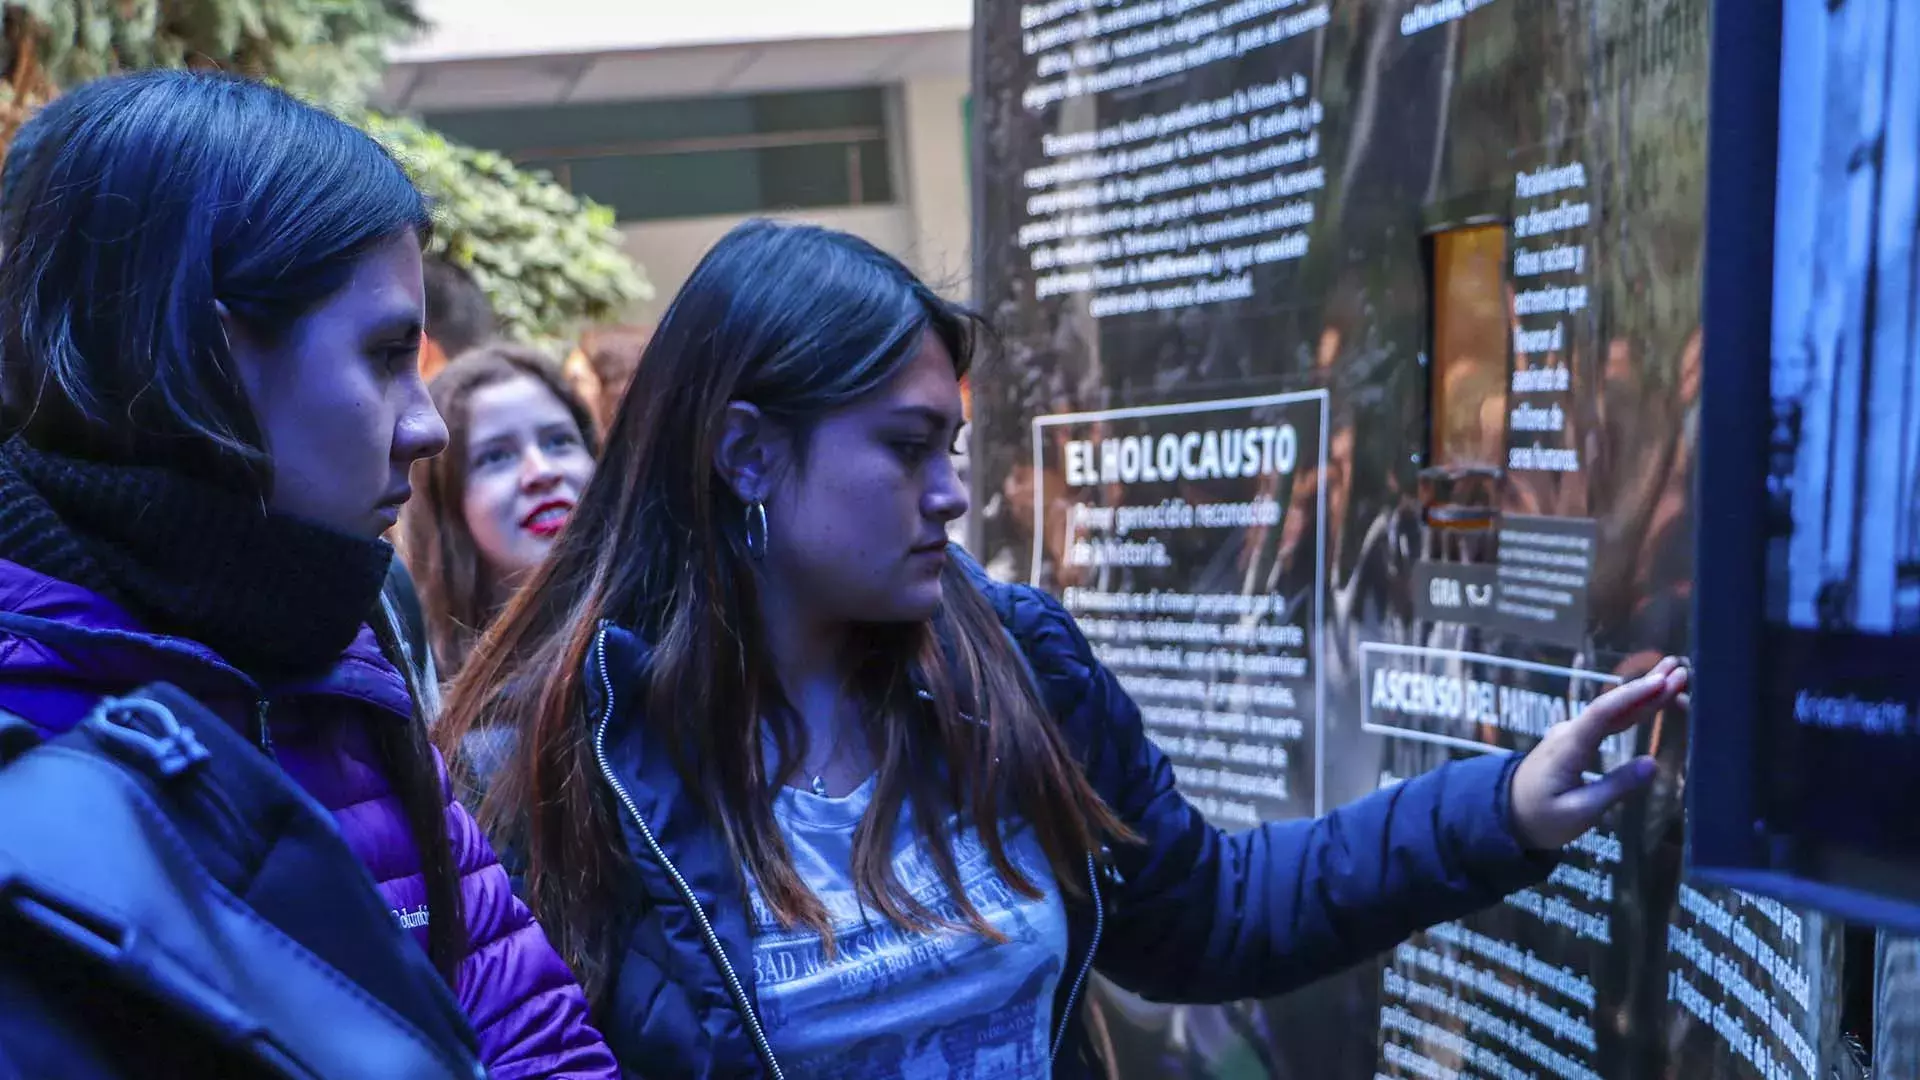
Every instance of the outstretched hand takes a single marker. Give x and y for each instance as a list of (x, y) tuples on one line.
[(1552, 803)]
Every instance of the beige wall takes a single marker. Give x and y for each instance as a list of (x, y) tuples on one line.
[(935, 185), (929, 226), (669, 250)]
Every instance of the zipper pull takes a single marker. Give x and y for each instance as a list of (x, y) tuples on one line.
[(148, 734), (1111, 878), (264, 733)]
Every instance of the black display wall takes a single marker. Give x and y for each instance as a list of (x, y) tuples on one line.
[(1347, 394)]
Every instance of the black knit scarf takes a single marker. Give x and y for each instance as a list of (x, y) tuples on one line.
[(273, 595)]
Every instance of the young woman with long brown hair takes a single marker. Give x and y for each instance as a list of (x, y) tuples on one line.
[(485, 512), (801, 793)]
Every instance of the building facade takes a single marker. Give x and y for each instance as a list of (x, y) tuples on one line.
[(853, 115)]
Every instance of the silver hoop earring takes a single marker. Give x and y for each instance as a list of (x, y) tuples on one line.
[(757, 530)]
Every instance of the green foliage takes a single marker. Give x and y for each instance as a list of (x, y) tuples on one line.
[(324, 50), (548, 261)]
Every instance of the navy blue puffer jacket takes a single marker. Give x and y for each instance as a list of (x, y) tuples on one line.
[(1193, 914)]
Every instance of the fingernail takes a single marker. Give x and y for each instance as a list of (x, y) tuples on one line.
[(1645, 768)]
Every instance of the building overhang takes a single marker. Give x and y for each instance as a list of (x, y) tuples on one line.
[(488, 58)]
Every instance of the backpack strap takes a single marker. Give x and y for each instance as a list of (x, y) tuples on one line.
[(275, 843), (177, 863)]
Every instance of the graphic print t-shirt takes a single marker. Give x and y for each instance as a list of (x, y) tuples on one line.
[(895, 1004)]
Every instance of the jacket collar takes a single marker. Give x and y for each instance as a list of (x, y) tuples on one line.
[(671, 837), (85, 639), (638, 759)]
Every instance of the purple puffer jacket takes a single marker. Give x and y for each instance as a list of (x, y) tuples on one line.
[(523, 1001)]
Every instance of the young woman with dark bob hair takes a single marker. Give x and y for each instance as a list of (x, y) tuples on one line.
[(801, 793), (210, 313)]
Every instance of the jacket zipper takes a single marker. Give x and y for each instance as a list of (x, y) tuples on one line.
[(686, 891), (194, 785), (265, 737), (1086, 966)]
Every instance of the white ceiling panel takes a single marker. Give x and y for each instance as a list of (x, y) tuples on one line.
[(663, 73), (489, 84), (694, 71)]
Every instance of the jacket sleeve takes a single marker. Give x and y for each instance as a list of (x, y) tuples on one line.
[(1202, 915), (525, 1005)]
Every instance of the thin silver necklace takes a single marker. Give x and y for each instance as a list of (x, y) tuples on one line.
[(819, 784)]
